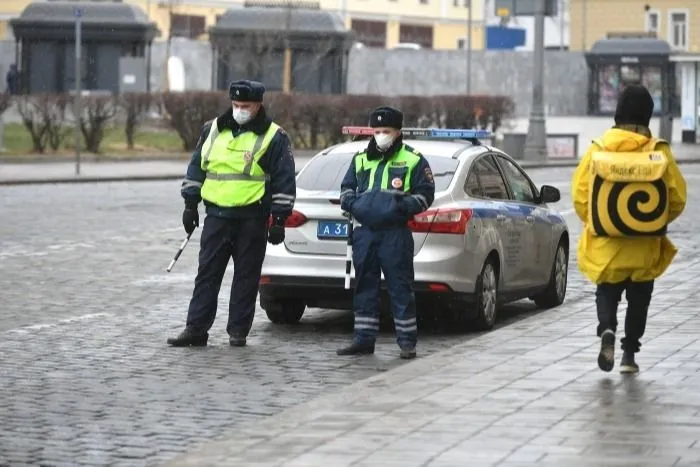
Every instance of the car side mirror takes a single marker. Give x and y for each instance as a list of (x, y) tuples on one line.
[(549, 194)]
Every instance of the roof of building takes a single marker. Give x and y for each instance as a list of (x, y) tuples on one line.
[(631, 46), (92, 12), (294, 20)]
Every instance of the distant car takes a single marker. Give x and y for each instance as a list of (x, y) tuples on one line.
[(489, 237)]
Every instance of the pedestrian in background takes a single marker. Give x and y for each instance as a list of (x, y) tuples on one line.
[(626, 190), (12, 80), (384, 187), (243, 170)]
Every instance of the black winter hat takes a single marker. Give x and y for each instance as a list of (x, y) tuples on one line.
[(246, 91), (386, 116), (634, 106)]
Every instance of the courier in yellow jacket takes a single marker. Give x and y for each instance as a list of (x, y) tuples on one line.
[(626, 190)]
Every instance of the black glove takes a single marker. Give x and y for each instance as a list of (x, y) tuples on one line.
[(190, 218), (276, 233)]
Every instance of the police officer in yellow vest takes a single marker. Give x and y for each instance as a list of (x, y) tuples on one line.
[(384, 187), (626, 190), (243, 170)]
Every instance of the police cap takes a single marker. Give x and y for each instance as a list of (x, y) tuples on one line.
[(246, 91), (387, 117)]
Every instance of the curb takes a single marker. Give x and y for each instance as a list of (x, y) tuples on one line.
[(77, 179), (161, 177)]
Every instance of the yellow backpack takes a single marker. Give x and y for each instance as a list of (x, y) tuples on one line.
[(627, 194)]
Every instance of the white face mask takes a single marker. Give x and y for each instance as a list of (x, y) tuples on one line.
[(384, 140), (241, 116)]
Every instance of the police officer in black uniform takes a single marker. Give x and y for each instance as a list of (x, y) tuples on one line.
[(243, 170)]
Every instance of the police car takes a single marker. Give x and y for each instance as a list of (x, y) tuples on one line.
[(490, 236)]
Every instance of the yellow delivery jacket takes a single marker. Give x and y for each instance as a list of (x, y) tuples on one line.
[(606, 257)]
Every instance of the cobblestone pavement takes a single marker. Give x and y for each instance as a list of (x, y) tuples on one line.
[(85, 376), (523, 395)]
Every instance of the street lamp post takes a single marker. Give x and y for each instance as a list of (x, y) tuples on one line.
[(536, 142)]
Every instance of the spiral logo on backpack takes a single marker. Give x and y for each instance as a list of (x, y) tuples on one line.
[(627, 194)]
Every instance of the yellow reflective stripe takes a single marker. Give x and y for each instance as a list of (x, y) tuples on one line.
[(209, 143)]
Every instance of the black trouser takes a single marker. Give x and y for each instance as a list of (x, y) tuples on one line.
[(244, 240), (638, 294)]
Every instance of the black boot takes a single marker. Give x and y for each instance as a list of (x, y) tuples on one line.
[(606, 357), (627, 364), (357, 348), (237, 340), (188, 338), (408, 353)]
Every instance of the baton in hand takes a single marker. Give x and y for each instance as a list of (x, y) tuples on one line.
[(348, 253), (179, 252)]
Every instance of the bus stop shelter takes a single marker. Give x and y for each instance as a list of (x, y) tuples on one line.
[(299, 49), (617, 62), (111, 32)]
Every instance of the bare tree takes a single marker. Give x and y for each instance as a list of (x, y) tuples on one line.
[(44, 116), (98, 112), (136, 106)]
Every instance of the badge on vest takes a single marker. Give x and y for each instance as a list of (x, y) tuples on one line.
[(248, 156), (397, 183)]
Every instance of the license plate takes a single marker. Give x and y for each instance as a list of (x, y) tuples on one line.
[(332, 230)]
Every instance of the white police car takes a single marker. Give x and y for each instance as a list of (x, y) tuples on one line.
[(488, 238)]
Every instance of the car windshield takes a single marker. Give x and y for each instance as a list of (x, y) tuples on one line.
[(325, 173)]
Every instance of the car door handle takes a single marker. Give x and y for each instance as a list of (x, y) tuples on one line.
[(500, 218), (530, 219)]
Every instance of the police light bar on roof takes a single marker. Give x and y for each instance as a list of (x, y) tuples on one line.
[(437, 133)]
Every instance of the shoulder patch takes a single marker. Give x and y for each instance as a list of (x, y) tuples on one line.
[(428, 172)]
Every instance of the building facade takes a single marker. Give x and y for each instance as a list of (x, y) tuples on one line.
[(432, 24), (675, 21)]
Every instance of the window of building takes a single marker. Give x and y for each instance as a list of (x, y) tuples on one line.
[(415, 34), (652, 21), (189, 26), (678, 29), (370, 33)]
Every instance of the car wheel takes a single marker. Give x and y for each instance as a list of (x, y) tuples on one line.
[(555, 292), (283, 311), (487, 296)]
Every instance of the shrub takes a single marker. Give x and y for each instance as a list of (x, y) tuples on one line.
[(5, 102), (44, 115), (135, 106), (187, 112), (96, 113)]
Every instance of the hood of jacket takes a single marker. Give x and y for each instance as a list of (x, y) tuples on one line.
[(626, 139)]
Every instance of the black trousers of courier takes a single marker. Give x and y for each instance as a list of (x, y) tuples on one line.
[(638, 294), (244, 240)]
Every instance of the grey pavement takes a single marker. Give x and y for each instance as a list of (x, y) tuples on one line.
[(523, 395), (86, 378), (85, 375), (526, 394)]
